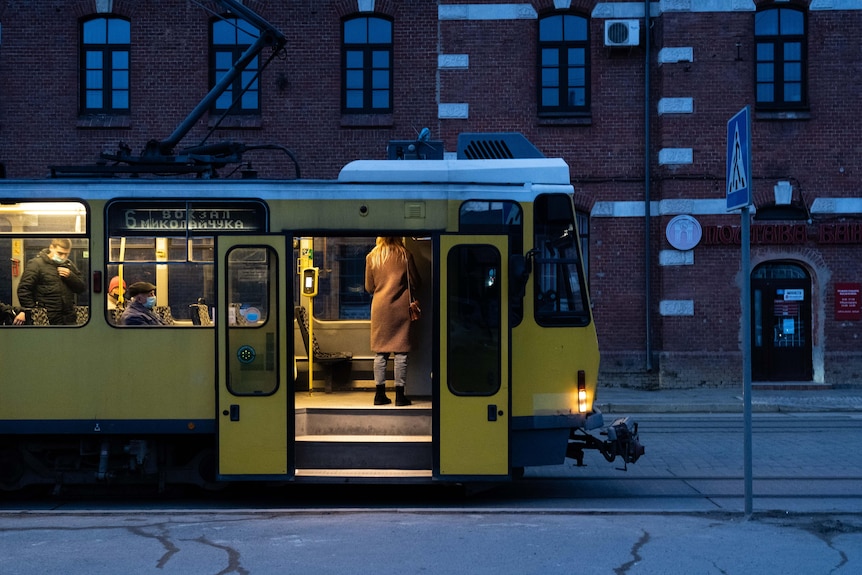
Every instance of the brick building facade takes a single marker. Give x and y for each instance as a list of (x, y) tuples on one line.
[(644, 131)]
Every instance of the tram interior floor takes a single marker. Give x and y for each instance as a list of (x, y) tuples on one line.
[(353, 400)]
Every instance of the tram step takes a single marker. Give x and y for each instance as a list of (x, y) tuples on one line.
[(377, 422), (402, 452)]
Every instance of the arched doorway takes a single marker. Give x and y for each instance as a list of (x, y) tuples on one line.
[(781, 322)]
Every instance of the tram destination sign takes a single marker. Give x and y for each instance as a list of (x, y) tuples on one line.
[(182, 218)]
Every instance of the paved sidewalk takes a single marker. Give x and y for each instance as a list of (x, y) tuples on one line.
[(618, 400)]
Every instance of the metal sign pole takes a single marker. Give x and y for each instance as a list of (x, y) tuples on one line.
[(739, 196), (746, 355)]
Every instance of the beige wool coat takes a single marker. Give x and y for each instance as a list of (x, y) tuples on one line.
[(390, 318)]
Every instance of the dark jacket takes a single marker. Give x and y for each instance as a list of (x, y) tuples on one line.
[(7, 313), (137, 314), (41, 285)]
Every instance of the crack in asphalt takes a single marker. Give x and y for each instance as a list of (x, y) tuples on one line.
[(635, 551)]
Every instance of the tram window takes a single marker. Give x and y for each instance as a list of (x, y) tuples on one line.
[(252, 336), (26, 231), (473, 320), (60, 219), (171, 245), (560, 294), (248, 285), (181, 269), (341, 291), (497, 217)]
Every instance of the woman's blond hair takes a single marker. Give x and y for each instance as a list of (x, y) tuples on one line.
[(386, 246)]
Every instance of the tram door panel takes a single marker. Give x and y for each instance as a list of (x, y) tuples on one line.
[(781, 329), (252, 330), (474, 357)]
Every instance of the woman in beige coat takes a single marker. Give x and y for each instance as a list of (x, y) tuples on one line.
[(389, 273)]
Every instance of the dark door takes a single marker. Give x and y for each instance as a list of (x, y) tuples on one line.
[(781, 323)]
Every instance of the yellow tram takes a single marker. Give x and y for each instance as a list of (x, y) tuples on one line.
[(235, 388)]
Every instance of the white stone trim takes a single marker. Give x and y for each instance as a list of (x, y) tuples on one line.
[(621, 209), (710, 207), (486, 12), (676, 258), (623, 10), (835, 5), (635, 9), (837, 206), (676, 307), (674, 55), (675, 156), (453, 61), (675, 106), (104, 6), (365, 5), (453, 111)]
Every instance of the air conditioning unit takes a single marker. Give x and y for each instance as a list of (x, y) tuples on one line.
[(622, 32)]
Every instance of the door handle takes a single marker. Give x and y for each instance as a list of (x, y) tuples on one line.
[(492, 413)]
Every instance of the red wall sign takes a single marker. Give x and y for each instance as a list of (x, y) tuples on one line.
[(848, 301)]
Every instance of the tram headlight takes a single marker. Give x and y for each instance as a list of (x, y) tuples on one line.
[(582, 391)]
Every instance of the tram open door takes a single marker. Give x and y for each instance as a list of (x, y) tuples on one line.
[(252, 325), (474, 357)]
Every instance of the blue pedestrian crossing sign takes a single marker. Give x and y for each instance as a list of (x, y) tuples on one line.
[(739, 160)]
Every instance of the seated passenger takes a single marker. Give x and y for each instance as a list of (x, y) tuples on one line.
[(139, 310), (114, 292), (11, 315)]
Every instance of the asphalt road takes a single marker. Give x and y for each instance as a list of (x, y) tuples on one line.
[(678, 510)]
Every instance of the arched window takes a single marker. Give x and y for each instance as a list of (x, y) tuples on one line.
[(366, 66), (564, 64), (104, 65), (782, 58), (230, 38)]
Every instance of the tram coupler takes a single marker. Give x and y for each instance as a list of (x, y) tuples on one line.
[(622, 441)]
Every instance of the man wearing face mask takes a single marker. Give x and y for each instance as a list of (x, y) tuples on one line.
[(139, 310), (51, 280)]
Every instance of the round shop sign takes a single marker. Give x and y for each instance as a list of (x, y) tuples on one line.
[(683, 232)]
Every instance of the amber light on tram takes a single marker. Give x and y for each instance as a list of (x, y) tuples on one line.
[(582, 391)]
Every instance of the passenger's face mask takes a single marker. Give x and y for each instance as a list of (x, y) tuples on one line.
[(57, 259), (151, 301)]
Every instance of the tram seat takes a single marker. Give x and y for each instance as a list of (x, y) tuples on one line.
[(115, 314), (235, 314), (39, 316), (82, 314), (200, 314), (164, 313), (327, 360)]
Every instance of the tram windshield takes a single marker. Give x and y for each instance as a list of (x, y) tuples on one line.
[(561, 297)]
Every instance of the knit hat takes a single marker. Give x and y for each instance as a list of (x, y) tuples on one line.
[(115, 284)]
